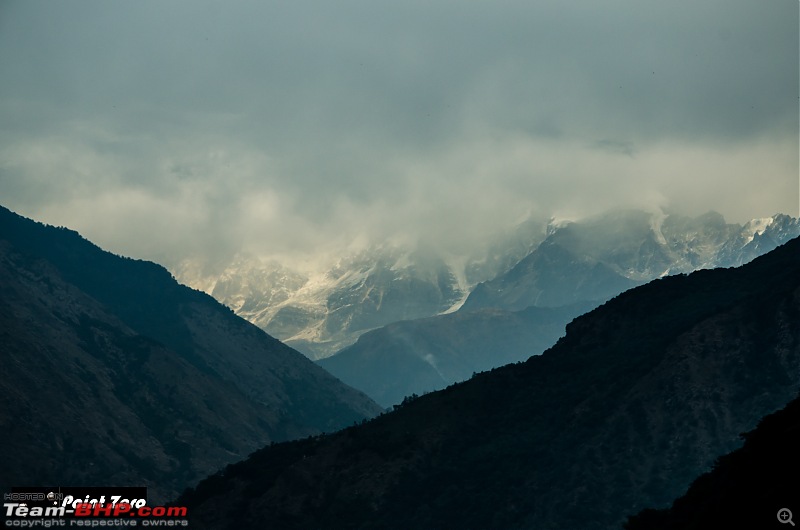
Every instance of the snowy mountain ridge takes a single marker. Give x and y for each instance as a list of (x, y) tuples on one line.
[(320, 312)]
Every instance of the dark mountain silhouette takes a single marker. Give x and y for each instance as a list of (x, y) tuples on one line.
[(638, 399), (114, 374), (747, 487), (419, 356)]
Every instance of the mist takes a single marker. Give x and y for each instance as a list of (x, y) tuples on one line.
[(292, 130)]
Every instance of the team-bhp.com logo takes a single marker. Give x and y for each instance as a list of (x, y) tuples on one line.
[(93, 509), (29, 508), (85, 509)]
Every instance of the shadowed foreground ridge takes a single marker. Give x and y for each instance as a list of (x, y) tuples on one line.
[(114, 374), (747, 487), (639, 398)]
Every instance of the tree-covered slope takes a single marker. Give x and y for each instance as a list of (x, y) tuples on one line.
[(113, 373), (747, 488), (639, 398)]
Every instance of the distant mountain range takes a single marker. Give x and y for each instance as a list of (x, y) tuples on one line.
[(602, 256), (115, 374), (525, 310), (537, 263), (321, 313), (639, 398)]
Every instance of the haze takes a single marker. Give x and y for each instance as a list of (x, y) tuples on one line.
[(164, 130)]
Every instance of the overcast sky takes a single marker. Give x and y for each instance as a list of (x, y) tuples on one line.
[(162, 129)]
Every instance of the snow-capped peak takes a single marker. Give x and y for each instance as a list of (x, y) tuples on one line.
[(756, 227)]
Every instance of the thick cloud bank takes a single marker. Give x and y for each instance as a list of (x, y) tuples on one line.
[(167, 129)]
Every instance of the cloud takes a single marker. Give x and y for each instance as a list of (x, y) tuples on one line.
[(615, 146), (163, 130)]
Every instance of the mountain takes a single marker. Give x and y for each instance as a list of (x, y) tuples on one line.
[(599, 257), (323, 312), (580, 264), (113, 373), (506, 248), (747, 488), (757, 237), (640, 397), (419, 356), (546, 263)]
